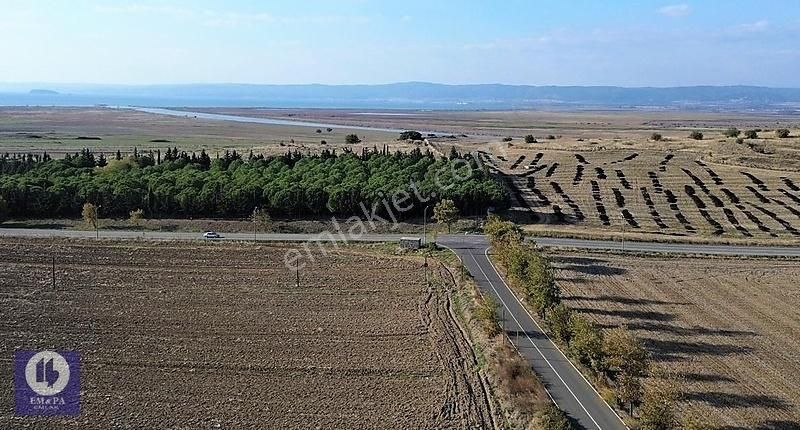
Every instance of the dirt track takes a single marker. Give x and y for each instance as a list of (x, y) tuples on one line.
[(218, 336)]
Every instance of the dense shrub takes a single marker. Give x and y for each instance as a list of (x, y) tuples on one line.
[(732, 132), (411, 135), (530, 139), (352, 139), (751, 134), (782, 133), (656, 137)]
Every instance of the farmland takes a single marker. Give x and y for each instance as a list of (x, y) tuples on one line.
[(219, 335), (727, 327), (670, 194)]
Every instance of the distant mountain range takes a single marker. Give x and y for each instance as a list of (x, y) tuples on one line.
[(407, 95)]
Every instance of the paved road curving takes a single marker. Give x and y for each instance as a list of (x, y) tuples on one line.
[(567, 387)]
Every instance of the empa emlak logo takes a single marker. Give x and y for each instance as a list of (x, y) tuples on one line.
[(47, 382)]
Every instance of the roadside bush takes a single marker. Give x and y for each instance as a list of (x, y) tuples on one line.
[(696, 135), (552, 418), (550, 137), (508, 139), (530, 139), (487, 315), (658, 407), (732, 132), (782, 133), (656, 137), (751, 134), (352, 139), (136, 216)]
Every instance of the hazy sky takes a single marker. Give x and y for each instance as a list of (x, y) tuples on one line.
[(602, 42)]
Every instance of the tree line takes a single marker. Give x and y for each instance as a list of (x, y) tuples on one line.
[(181, 184), (615, 357)]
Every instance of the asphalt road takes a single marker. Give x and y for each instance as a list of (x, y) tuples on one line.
[(680, 248), (567, 387)]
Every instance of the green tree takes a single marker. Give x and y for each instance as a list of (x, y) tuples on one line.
[(352, 139), (529, 138), (446, 212), (751, 134), (782, 133), (543, 292), (656, 137), (557, 318), (89, 214), (732, 132), (696, 135), (586, 343), (624, 352)]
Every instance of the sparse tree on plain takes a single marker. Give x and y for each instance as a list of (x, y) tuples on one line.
[(530, 139), (732, 132), (782, 133), (656, 137), (352, 139), (751, 134), (446, 212), (411, 135), (696, 135)]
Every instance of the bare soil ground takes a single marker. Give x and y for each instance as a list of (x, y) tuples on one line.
[(729, 327), (219, 336)]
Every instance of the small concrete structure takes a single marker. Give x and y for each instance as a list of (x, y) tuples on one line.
[(410, 242)]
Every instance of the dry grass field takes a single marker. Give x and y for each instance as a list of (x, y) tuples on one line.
[(60, 130), (730, 328), (219, 336)]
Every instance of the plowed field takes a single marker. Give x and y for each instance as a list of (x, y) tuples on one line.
[(219, 336), (730, 328)]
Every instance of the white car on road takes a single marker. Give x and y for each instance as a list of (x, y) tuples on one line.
[(211, 235)]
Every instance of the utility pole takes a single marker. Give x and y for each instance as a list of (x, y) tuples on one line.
[(97, 222), (424, 225), (54, 271), (297, 275)]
